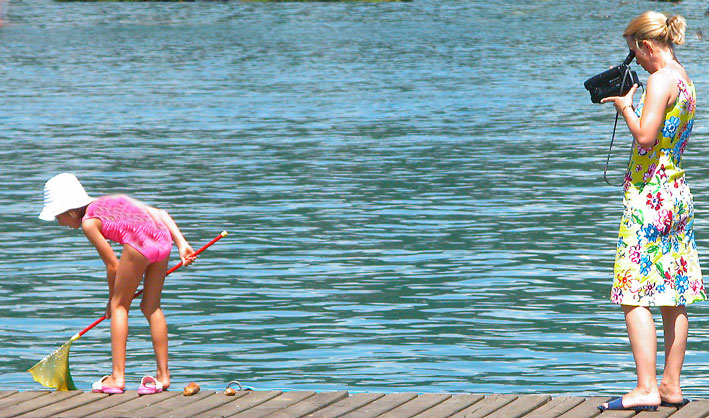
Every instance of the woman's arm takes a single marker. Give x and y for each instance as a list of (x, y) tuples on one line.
[(659, 95), (92, 230), (186, 251)]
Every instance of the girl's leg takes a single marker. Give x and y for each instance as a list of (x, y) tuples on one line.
[(150, 306), (131, 267), (643, 342), (676, 326)]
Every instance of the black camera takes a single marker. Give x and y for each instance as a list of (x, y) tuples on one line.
[(614, 82)]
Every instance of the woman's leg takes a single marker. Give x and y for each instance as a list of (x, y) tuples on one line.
[(643, 342), (676, 326), (150, 306), (131, 267)]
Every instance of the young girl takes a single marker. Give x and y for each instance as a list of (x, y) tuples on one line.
[(656, 260), (147, 235)]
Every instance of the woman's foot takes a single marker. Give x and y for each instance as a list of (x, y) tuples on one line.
[(639, 397), (670, 395)]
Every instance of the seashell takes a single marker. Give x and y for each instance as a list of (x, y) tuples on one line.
[(229, 391), (191, 389)]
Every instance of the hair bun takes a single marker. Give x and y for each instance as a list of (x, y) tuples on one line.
[(676, 26)]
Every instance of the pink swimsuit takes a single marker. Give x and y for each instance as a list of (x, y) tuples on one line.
[(123, 220)]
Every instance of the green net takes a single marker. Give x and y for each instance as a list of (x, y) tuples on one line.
[(53, 370)]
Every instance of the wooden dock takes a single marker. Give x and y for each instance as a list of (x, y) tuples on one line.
[(278, 404)]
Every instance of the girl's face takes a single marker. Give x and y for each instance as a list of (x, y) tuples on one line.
[(641, 49), (69, 218)]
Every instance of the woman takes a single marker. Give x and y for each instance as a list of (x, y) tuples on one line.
[(656, 259)]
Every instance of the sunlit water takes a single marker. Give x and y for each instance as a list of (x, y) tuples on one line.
[(413, 191)]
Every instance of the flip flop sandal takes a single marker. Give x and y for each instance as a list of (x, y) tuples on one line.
[(684, 402), (149, 386), (617, 405), (98, 387)]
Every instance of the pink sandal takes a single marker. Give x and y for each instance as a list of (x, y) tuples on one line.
[(149, 386), (98, 387)]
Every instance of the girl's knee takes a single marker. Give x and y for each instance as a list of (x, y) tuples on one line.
[(149, 309), (120, 303)]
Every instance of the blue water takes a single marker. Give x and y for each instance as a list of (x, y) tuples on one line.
[(413, 191)]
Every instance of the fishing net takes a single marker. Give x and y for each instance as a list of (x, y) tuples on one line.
[(53, 370)]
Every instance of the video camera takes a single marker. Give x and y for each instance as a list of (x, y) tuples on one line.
[(614, 82)]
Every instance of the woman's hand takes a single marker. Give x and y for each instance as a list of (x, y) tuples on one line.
[(621, 102), (108, 309), (186, 254)]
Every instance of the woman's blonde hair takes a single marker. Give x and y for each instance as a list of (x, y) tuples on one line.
[(658, 27)]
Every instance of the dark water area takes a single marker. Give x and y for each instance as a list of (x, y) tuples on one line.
[(413, 191)]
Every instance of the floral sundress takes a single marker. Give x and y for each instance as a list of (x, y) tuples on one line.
[(656, 260)]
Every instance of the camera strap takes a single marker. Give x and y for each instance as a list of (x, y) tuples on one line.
[(608, 157), (615, 125)]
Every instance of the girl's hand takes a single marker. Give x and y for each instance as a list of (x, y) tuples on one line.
[(621, 102), (108, 309), (187, 254)]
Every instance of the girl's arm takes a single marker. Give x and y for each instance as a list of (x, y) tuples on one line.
[(92, 230), (186, 251), (658, 96)]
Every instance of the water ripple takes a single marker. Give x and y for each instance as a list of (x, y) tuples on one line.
[(413, 191)]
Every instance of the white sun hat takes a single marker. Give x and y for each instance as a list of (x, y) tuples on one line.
[(62, 193)]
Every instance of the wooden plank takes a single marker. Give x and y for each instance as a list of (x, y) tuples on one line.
[(556, 407), (126, 409), (57, 407), (662, 412), (417, 405), (169, 405), (6, 393), (203, 405), (277, 404), (382, 405), (521, 406), (100, 405), (589, 408), (19, 398), (694, 409), (486, 406), (282, 401), (454, 404), (311, 404), (617, 414), (355, 401), (242, 404), (37, 403)]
